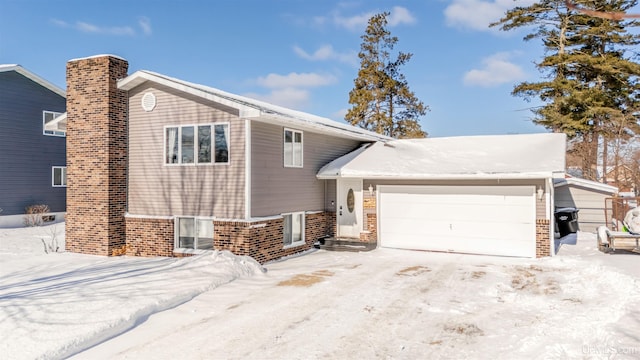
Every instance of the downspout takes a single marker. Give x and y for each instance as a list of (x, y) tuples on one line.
[(247, 169)]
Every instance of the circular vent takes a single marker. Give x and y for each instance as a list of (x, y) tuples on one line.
[(148, 101)]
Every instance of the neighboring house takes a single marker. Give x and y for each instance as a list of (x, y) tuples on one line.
[(32, 158), (160, 166), (474, 194), (622, 177), (587, 196)]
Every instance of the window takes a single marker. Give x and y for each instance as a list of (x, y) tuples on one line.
[(194, 233), (292, 148), (293, 229), (59, 176), (193, 144), (47, 117)]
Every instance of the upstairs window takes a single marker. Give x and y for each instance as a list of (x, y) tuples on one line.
[(292, 148), (59, 176), (202, 144), (47, 118)]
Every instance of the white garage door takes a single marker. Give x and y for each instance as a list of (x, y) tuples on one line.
[(496, 220)]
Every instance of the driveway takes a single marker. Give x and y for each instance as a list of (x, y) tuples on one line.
[(398, 304)]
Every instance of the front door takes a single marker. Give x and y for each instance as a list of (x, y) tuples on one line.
[(349, 211)]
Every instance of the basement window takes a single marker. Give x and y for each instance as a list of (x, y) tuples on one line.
[(193, 233), (293, 229)]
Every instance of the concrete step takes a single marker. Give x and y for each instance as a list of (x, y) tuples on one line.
[(335, 244)]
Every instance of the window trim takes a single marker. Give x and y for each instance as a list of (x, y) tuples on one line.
[(195, 145), (293, 132), (176, 233), (56, 133), (303, 239), (63, 176)]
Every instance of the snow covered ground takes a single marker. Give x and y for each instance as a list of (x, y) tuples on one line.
[(380, 304)]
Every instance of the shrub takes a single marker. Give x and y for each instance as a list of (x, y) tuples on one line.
[(34, 214)]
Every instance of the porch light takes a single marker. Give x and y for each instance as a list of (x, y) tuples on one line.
[(540, 192), (370, 190)]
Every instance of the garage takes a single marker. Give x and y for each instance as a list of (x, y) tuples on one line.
[(490, 194), (497, 220)]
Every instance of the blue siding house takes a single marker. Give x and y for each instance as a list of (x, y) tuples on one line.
[(32, 156)]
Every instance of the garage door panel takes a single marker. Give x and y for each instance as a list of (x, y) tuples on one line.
[(437, 230), (421, 206), (473, 219), (463, 244)]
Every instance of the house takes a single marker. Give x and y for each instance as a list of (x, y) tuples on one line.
[(33, 165), (475, 194), (158, 166), (585, 195), (623, 177)]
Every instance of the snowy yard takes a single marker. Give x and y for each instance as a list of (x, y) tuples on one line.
[(381, 304)]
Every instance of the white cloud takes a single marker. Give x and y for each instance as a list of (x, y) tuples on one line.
[(400, 15), (340, 114), (496, 70), (145, 25), (353, 23), (478, 14), (293, 98), (290, 90), (326, 52), (59, 23), (90, 28), (114, 30), (295, 80)]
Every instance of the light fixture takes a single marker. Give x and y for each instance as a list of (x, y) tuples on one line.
[(540, 193), (370, 190)]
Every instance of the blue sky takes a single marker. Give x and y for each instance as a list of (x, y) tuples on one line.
[(294, 53)]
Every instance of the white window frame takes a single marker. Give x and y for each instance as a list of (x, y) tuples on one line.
[(302, 240), (176, 235), (59, 133), (63, 176), (196, 145), (293, 152)]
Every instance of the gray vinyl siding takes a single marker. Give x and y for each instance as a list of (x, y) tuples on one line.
[(589, 202), (276, 189), (541, 211), (192, 190), (26, 155)]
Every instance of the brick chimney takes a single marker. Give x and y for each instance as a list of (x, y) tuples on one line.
[(96, 155)]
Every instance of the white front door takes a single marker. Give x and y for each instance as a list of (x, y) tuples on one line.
[(349, 211)]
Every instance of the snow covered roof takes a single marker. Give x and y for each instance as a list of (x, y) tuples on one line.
[(33, 77), (586, 184), (466, 157), (254, 109)]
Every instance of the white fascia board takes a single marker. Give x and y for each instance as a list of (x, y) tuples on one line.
[(587, 184), (365, 175), (139, 77), (33, 77)]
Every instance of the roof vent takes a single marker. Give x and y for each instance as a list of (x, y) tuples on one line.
[(148, 101)]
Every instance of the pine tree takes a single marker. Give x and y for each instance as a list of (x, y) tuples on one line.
[(381, 99), (590, 89)]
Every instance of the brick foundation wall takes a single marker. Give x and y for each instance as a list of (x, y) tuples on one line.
[(149, 237), (543, 245), (96, 155), (263, 239)]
